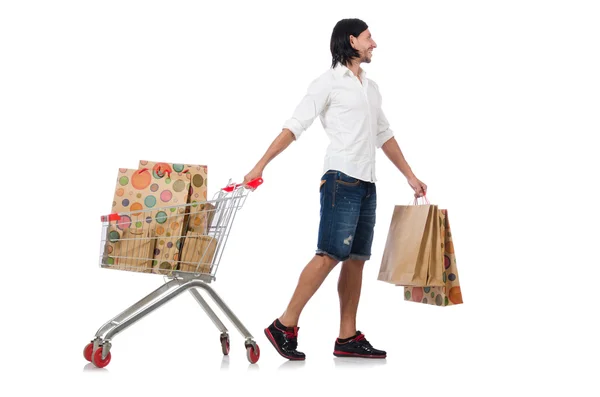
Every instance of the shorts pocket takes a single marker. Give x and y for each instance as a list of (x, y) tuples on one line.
[(346, 180)]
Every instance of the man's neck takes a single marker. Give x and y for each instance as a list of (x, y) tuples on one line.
[(354, 68)]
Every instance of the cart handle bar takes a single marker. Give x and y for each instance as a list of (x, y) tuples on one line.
[(253, 184)]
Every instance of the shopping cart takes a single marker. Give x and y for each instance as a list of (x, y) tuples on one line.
[(143, 241)]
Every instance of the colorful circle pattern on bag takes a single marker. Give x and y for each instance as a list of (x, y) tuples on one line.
[(139, 196)]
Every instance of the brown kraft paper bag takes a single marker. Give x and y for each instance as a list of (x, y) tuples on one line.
[(406, 255), (133, 251), (197, 254), (449, 294), (436, 261), (201, 218)]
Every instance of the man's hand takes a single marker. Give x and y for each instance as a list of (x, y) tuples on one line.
[(252, 175), (419, 187)]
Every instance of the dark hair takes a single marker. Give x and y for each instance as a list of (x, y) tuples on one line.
[(341, 50)]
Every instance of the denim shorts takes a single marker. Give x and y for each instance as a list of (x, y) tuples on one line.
[(347, 220)]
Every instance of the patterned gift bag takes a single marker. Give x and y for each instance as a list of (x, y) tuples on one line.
[(197, 215), (150, 207), (198, 175), (449, 294)]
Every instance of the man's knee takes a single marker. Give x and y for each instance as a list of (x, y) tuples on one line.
[(327, 261), (354, 263)]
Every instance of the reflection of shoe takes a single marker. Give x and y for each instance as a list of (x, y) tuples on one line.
[(284, 340), (356, 346)]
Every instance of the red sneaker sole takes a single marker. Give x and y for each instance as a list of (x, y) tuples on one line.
[(272, 340), (339, 353)]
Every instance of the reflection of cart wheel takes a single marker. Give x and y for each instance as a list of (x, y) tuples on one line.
[(225, 344), (252, 356), (97, 358), (87, 351)]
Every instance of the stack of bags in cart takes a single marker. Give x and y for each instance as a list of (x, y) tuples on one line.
[(419, 255), (164, 220)]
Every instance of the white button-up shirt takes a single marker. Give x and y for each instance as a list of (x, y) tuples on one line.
[(351, 115)]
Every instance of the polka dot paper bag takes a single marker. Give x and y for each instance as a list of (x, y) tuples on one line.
[(200, 213), (198, 175), (450, 293), (149, 209)]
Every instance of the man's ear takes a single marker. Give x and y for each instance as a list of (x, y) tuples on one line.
[(352, 41)]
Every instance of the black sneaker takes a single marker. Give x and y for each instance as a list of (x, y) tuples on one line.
[(357, 346), (284, 340)]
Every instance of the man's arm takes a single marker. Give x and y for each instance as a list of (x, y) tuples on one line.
[(279, 144), (389, 145), (393, 152), (305, 113)]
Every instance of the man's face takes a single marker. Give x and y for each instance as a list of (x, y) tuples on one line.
[(364, 44)]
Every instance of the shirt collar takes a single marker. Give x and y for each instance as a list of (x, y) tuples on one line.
[(343, 70)]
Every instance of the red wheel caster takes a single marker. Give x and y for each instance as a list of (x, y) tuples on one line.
[(87, 351), (252, 355), (97, 358), (225, 344)]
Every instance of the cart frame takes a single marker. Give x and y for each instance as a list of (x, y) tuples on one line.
[(98, 351)]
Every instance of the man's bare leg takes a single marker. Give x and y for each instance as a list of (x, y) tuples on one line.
[(311, 278), (349, 287)]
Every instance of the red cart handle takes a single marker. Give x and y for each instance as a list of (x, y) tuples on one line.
[(253, 184), (110, 218)]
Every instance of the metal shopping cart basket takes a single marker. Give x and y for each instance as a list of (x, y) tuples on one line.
[(138, 241)]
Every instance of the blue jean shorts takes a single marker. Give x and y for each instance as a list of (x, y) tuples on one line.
[(347, 220)]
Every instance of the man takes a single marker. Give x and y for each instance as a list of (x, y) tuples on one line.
[(349, 106)]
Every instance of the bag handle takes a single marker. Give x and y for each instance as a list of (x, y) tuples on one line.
[(416, 201), (158, 170)]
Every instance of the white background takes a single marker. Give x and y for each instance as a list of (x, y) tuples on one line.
[(494, 103)]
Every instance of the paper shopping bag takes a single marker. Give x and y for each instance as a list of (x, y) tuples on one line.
[(196, 216), (435, 242), (137, 190), (153, 204), (407, 251), (169, 240), (429, 263), (197, 254), (131, 250), (450, 293), (198, 176), (201, 218), (199, 212)]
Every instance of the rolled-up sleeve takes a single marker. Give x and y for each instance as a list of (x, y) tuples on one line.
[(313, 103), (384, 132)]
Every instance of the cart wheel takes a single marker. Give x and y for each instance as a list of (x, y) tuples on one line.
[(252, 355), (87, 351), (225, 345), (97, 358)]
